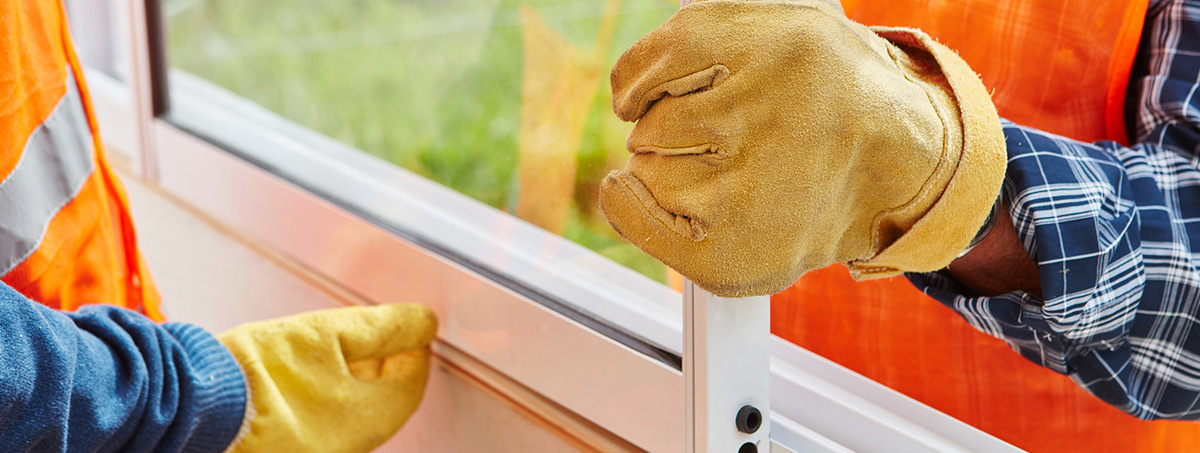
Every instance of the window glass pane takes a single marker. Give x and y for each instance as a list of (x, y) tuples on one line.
[(99, 29), (505, 101)]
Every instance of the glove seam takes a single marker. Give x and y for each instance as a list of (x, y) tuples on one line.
[(941, 172), (696, 228), (983, 157)]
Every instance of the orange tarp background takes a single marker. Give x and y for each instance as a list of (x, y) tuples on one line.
[(1058, 65)]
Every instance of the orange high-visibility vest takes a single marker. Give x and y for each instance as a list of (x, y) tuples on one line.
[(1059, 65), (66, 238)]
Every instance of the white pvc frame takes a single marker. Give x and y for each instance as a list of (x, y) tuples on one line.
[(815, 404), (726, 369)]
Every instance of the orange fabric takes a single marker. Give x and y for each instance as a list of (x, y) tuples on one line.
[(32, 75), (81, 259), (1060, 65), (890, 332), (127, 265), (89, 251)]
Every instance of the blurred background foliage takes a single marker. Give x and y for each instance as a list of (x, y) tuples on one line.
[(505, 101)]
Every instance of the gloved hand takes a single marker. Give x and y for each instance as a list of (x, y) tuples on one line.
[(777, 137), (339, 380)]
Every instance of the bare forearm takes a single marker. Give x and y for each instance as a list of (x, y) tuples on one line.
[(999, 264)]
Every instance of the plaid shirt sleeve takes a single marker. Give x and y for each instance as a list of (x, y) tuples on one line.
[(1116, 234)]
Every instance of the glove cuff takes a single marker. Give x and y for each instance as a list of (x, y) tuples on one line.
[(949, 225)]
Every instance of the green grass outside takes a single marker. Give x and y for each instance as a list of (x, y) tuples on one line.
[(433, 86)]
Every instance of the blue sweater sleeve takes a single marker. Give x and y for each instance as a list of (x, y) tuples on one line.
[(109, 379)]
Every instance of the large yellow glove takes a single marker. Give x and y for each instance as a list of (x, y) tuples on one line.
[(340, 380), (777, 137)]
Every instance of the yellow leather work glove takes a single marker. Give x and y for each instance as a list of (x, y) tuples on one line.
[(339, 380), (777, 137)]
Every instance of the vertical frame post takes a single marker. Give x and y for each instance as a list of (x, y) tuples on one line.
[(726, 372), (147, 79)]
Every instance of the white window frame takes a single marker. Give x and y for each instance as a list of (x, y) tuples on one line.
[(492, 304), (110, 97)]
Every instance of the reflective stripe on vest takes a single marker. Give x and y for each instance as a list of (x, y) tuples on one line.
[(56, 161)]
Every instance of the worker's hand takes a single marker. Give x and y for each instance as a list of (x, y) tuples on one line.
[(778, 137), (340, 380)]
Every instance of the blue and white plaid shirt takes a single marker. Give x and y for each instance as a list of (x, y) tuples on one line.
[(1116, 234)]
